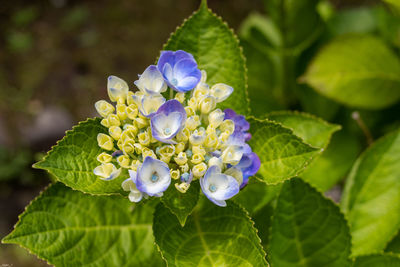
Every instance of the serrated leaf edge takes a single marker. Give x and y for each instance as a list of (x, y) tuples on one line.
[(235, 37)]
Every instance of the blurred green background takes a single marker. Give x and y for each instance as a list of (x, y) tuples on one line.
[(56, 55)]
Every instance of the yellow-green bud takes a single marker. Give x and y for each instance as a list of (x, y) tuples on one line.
[(179, 147), (198, 150), (183, 135), (184, 168), (199, 170), (132, 111), (193, 103), (216, 117), (113, 120), (201, 91), (124, 161), (182, 187), (207, 104), (117, 88), (148, 153), (144, 138), (211, 140), (129, 98), (197, 137), (104, 157), (105, 142), (128, 146), (141, 122), (115, 132), (197, 158), (180, 97), (189, 111), (107, 171), (181, 159), (175, 174), (121, 111), (227, 126), (167, 150), (192, 122), (135, 164), (104, 108)]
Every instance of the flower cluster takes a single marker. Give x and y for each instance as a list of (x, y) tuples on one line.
[(185, 138)]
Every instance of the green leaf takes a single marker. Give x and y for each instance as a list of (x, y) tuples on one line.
[(308, 229), (288, 14), (378, 260), (283, 155), (371, 198), (69, 228), (212, 236), (181, 204), (356, 70), (394, 245), (216, 50), (332, 165), (73, 160), (256, 195), (312, 130), (258, 36)]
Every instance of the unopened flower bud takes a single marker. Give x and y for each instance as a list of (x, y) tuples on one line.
[(104, 141), (180, 97), (221, 91), (132, 111), (207, 104), (123, 161), (199, 170), (227, 126), (216, 117), (214, 161), (121, 112), (197, 158), (175, 174), (104, 108), (104, 157), (115, 132), (181, 158), (117, 88)]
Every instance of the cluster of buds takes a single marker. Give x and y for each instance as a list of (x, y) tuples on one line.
[(183, 139)]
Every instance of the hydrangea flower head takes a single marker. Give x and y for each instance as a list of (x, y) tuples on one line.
[(180, 141)]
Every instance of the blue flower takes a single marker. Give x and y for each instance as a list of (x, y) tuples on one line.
[(217, 186), (249, 165), (153, 177), (179, 70), (168, 121)]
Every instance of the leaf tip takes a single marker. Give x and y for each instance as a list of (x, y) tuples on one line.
[(203, 4)]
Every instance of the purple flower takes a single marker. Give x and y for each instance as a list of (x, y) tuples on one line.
[(249, 165), (240, 121), (168, 121), (153, 177), (179, 70), (217, 186)]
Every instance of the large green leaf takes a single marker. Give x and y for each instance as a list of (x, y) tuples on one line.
[(298, 21), (336, 161), (216, 50), (212, 236), (259, 37), (69, 228), (283, 155), (256, 195), (312, 130), (371, 197), (307, 229), (181, 204), (73, 160), (358, 71), (394, 245), (378, 260)]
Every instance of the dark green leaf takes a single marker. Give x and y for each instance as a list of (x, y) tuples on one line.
[(181, 204), (307, 229)]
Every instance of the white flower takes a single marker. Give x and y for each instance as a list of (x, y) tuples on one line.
[(117, 88), (151, 81), (153, 177)]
